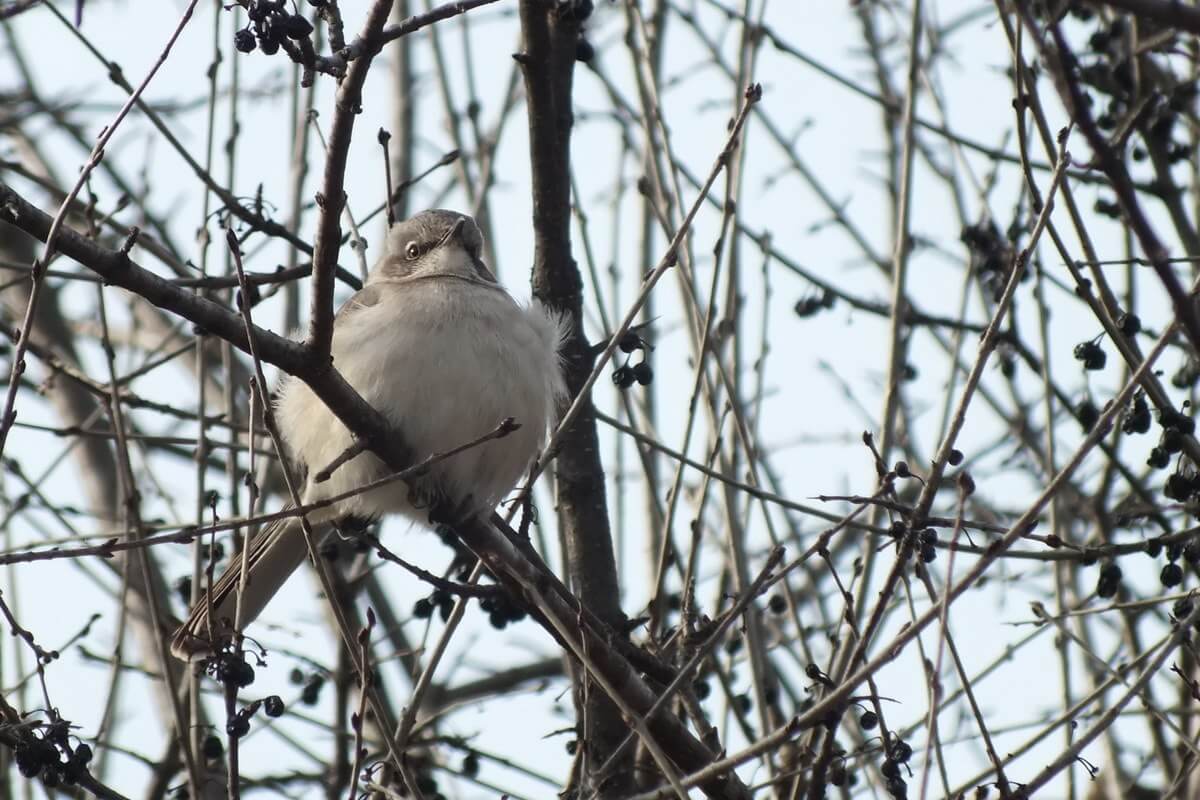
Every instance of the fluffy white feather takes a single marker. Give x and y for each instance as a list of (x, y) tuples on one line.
[(436, 345)]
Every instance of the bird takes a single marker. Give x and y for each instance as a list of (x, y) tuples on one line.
[(436, 344)]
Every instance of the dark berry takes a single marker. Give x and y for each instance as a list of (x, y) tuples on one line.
[(273, 705), (238, 726), (423, 608), (470, 765), (1130, 324), (311, 692), (243, 40), (1091, 354), (295, 26), (955, 458), (777, 604), (575, 10), (1110, 580), (1177, 487), (1171, 575), (268, 43), (630, 342), (212, 747), (901, 751), (1138, 418), (1087, 414), (623, 377), (1179, 421), (928, 553), (233, 671), (901, 469), (28, 762), (1154, 547), (643, 374), (807, 307), (1159, 458), (868, 720)]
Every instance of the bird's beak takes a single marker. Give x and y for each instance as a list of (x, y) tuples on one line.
[(456, 233)]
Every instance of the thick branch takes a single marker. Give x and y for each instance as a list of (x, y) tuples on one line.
[(549, 59)]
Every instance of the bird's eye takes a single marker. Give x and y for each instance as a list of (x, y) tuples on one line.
[(411, 251)]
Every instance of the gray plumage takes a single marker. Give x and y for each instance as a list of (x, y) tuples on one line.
[(437, 346)]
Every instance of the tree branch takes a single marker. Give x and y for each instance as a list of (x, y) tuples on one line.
[(332, 198)]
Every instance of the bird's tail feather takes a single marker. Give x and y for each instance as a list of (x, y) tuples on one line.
[(275, 553)]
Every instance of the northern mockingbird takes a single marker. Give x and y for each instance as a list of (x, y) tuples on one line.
[(435, 344)]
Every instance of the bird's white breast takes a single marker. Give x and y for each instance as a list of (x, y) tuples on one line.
[(445, 361)]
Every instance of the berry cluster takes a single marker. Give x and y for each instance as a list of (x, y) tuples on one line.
[(499, 607), (1177, 426), (898, 753), (1137, 418), (49, 754), (924, 541), (810, 306), (238, 725), (312, 684), (271, 25), (1091, 354), (230, 668), (439, 599), (627, 375), (1172, 573), (501, 610), (990, 255), (1109, 70)]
